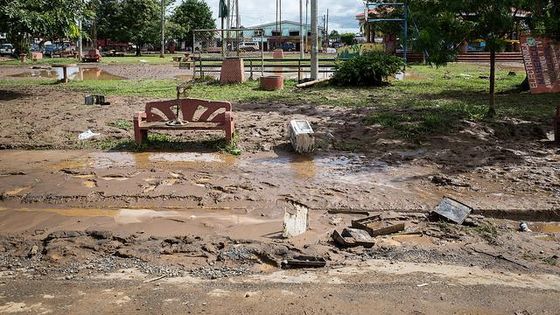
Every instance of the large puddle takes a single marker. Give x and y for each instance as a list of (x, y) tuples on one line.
[(545, 227), (74, 73), (349, 169)]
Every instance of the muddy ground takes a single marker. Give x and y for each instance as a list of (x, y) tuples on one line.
[(201, 230)]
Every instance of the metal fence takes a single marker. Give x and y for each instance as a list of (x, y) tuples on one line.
[(211, 46)]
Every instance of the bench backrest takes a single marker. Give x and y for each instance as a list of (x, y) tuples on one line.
[(191, 109)]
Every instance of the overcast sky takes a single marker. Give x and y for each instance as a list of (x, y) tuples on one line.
[(342, 13)]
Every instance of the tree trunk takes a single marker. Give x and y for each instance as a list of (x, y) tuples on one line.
[(94, 34), (492, 107), (524, 86), (138, 53)]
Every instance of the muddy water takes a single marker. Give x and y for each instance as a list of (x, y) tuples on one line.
[(344, 168), (104, 160), (545, 227), (74, 73)]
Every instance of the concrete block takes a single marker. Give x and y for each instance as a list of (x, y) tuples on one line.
[(301, 136), (296, 219)]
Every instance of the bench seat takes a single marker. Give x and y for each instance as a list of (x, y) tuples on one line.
[(196, 113)]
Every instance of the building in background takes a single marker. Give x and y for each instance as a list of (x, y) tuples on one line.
[(285, 35)]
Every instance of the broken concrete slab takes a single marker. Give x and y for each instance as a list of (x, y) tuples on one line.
[(353, 237), (453, 210), (376, 228)]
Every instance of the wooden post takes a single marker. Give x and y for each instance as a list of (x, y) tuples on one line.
[(299, 71), (251, 69)]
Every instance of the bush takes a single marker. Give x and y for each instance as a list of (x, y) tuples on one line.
[(368, 69)]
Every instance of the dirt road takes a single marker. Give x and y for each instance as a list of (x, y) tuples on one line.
[(378, 287)]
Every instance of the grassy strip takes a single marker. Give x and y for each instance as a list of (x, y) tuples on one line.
[(431, 101)]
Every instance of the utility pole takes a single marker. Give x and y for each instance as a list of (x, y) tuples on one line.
[(301, 48), (323, 37), (228, 20), (314, 39), (237, 17), (280, 17), (327, 29), (80, 40), (306, 23), (162, 52)]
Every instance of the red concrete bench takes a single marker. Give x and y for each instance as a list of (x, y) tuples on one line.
[(196, 115)]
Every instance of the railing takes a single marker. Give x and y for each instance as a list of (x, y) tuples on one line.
[(252, 65)]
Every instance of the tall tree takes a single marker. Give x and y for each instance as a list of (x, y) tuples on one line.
[(26, 19), (467, 20), (191, 15), (491, 21)]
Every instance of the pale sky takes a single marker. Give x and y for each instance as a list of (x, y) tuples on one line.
[(342, 13)]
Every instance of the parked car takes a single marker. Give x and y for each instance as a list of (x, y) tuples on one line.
[(64, 49), (92, 55), (288, 46), (50, 50), (249, 46), (6, 49)]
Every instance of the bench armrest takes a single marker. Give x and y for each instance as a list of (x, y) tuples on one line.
[(140, 116)]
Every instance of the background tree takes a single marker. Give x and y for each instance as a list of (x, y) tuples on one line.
[(334, 35), (26, 19), (191, 15), (347, 38), (445, 21)]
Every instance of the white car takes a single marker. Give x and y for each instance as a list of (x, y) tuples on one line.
[(6, 49), (249, 46)]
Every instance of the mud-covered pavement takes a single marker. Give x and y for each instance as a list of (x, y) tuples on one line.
[(200, 231)]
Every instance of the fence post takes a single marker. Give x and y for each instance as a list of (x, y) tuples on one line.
[(251, 69), (299, 70)]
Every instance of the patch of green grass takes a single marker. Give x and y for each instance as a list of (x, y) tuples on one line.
[(121, 124), (487, 231)]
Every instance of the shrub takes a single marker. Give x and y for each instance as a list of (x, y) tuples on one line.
[(368, 69)]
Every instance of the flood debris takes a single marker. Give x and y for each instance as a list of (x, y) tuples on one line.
[(523, 227), (88, 134), (351, 237), (301, 136), (453, 210), (296, 219), (375, 227), (95, 99), (304, 262)]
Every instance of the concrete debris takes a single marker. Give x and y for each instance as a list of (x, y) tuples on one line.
[(88, 134), (353, 237), (296, 219), (301, 136), (376, 228), (453, 210), (304, 262), (95, 99)]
